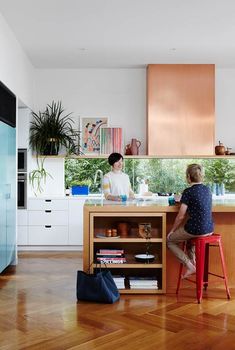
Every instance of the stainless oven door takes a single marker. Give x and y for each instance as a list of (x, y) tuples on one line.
[(22, 160), (22, 191)]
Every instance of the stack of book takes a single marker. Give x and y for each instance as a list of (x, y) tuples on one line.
[(111, 256), (119, 281), (143, 283)]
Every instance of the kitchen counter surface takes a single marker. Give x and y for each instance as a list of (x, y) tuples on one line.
[(158, 204)]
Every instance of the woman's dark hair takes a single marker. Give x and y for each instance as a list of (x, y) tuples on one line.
[(114, 157)]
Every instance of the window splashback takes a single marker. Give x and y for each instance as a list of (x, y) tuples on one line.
[(162, 175)]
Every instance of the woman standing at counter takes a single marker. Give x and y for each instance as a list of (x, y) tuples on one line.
[(116, 184), (196, 201)]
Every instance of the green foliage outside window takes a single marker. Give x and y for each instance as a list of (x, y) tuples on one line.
[(162, 175)]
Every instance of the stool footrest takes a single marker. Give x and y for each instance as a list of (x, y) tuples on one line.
[(188, 279), (214, 274)]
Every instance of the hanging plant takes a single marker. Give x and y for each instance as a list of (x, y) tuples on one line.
[(37, 177)]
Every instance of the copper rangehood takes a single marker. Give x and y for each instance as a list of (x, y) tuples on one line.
[(180, 109)]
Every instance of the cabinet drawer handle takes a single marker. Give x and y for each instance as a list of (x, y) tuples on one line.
[(47, 200), (47, 226), (47, 211)]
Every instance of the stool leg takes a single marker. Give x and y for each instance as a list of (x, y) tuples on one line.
[(206, 266), (224, 270), (180, 270), (200, 259), (179, 278)]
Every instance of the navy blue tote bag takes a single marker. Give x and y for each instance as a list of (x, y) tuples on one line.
[(98, 287)]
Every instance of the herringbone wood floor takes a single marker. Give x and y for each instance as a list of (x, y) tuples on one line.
[(38, 310)]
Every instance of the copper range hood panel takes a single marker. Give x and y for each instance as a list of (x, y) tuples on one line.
[(181, 109)]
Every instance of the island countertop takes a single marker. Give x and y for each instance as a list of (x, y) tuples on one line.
[(158, 204)]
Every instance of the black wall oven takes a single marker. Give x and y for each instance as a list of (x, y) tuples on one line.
[(22, 178), (22, 191), (22, 160)]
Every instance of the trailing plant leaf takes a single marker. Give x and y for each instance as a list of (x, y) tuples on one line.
[(38, 175)]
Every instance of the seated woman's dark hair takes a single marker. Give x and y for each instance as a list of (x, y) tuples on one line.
[(114, 157)]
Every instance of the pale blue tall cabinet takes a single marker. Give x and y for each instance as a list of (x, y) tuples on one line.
[(7, 177)]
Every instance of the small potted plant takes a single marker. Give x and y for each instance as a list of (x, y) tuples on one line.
[(80, 187)]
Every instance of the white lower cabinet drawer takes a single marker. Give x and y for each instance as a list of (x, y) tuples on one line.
[(50, 204), (22, 217), (47, 217), (22, 235), (48, 235)]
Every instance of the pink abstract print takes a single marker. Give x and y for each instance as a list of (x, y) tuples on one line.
[(111, 140), (91, 134)]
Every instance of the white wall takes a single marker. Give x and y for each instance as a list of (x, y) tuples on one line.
[(16, 71), (225, 107), (119, 94)]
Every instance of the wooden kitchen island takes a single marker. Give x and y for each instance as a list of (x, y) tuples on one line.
[(100, 215)]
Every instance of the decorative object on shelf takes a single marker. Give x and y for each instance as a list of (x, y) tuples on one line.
[(90, 128), (50, 130), (219, 189), (101, 235), (37, 176), (145, 232), (218, 172), (143, 282), (132, 148), (144, 258), (67, 191), (135, 145), (111, 140), (228, 151), (114, 232), (80, 187), (220, 149), (128, 150), (123, 228), (108, 233)]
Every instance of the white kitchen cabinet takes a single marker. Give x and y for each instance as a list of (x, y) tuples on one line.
[(76, 221), (22, 235), (48, 235), (47, 204), (22, 227), (48, 217), (51, 222), (47, 221), (24, 115)]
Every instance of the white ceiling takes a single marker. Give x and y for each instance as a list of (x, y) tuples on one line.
[(123, 33)]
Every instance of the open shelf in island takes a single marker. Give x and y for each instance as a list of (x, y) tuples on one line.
[(95, 226)]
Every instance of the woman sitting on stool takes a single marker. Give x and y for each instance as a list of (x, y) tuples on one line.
[(196, 201)]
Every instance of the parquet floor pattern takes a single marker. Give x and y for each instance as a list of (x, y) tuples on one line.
[(38, 310)]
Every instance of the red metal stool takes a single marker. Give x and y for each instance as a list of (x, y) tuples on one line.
[(202, 245)]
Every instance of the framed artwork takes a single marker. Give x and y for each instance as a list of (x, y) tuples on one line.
[(90, 133), (111, 140)]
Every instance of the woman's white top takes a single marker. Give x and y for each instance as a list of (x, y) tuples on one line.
[(116, 183)]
